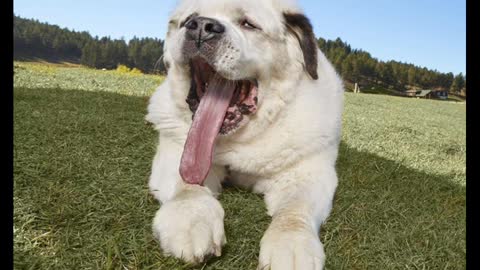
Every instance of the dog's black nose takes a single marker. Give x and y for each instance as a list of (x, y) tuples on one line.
[(202, 29)]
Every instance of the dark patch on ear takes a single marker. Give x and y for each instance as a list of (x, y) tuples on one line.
[(300, 26)]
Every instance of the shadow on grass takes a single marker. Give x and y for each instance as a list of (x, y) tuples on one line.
[(81, 166)]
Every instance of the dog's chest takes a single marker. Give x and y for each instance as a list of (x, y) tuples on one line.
[(265, 155)]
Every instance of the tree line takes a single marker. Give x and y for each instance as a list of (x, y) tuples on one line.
[(42, 40), (138, 53), (359, 66), (34, 39)]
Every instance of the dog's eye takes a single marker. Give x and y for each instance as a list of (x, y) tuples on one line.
[(245, 23)]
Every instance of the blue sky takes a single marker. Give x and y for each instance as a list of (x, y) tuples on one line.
[(429, 33)]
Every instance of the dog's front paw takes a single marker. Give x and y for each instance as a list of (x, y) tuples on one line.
[(190, 227), (291, 250)]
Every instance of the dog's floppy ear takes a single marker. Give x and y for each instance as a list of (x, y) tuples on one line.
[(300, 26)]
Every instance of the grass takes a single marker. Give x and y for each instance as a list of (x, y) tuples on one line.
[(40, 75), (82, 160)]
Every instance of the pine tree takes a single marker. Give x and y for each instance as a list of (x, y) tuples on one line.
[(458, 83), (412, 77), (89, 55)]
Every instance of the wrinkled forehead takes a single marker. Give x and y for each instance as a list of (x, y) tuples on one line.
[(268, 13)]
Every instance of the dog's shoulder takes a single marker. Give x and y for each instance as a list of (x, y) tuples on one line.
[(159, 104), (163, 113)]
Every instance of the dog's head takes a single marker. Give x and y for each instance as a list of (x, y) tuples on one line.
[(235, 53), (240, 39), (247, 42)]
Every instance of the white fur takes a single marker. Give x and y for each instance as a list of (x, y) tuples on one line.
[(287, 151), (190, 226)]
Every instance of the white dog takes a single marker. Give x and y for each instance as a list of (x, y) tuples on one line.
[(248, 95)]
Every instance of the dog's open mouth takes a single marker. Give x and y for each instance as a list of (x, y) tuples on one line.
[(218, 105), (243, 101)]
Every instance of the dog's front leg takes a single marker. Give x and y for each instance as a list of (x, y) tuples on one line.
[(189, 224), (298, 200)]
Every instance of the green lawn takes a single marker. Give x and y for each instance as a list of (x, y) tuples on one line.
[(82, 160)]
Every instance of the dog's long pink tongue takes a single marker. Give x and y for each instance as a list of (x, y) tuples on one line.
[(198, 150)]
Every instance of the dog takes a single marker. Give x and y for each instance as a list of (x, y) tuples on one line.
[(248, 96)]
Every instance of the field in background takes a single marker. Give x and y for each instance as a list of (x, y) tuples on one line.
[(83, 154), (374, 88), (73, 76)]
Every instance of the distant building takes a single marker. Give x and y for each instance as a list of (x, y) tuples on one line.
[(424, 94), (440, 94), (411, 93)]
